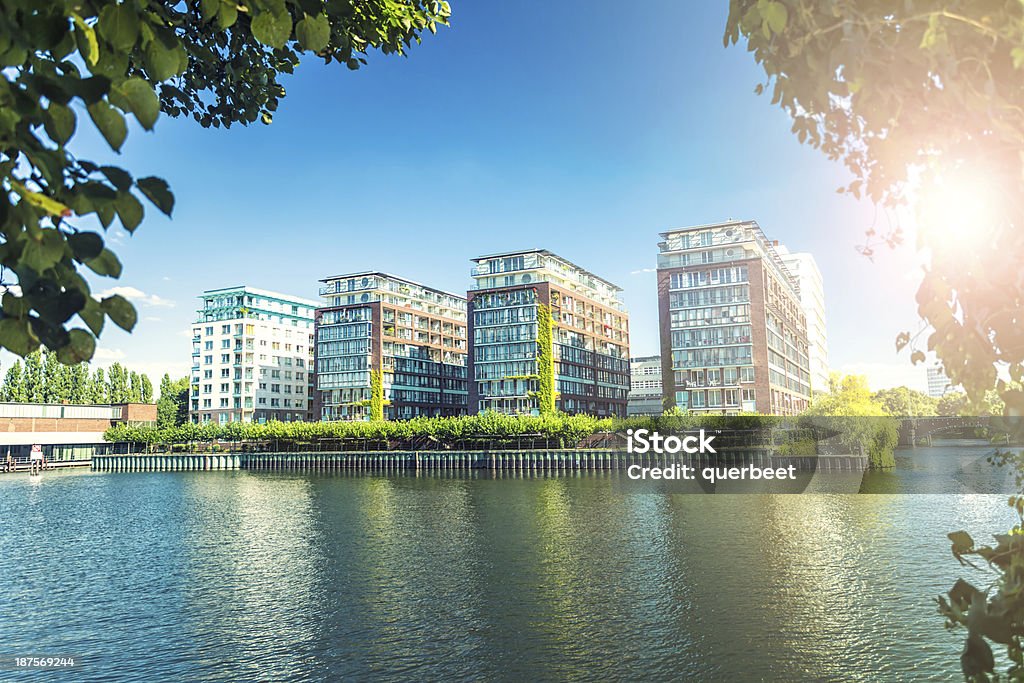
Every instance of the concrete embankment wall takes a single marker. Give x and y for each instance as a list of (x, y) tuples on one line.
[(383, 461)]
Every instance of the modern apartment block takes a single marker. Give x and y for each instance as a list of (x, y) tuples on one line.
[(252, 353), (411, 337), (589, 341), (645, 397), (809, 284), (733, 333), (938, 384)]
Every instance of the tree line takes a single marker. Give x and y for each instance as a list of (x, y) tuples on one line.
[(42, 378)]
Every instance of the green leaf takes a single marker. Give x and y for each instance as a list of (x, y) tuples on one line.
[(86, 37), (105, 264), (119, 177), (59, 122), (92, 315), (314, 32), (136, 95), (1017, 54), (962, 541), (121, 311), (119, 25), (156, 191), (80, 347), (16, 336), (775, 15), (161, 61), (227, 15), (110, 123), (44, 251), (15, 306), (48, 204), (85, 245), (208, 9), (272, 28), (130, 210)]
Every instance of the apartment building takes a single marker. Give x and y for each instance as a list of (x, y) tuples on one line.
[(811, 289), (252, 352), (938, 384), (589, 340), (733, 332), (645, 397), (376, 327)]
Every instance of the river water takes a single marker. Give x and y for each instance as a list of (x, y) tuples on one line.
[(223, 576)]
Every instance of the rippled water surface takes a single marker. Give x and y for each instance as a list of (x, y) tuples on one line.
[(235, 576)]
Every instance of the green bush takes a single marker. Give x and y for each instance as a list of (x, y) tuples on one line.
[(476, 431)]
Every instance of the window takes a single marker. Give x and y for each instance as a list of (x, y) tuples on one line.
[(208, 360), (225, 329), (209, 330), (746, 374), (225, 358), (208, 346)]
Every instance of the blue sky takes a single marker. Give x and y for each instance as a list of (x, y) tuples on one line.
[(579, 127)]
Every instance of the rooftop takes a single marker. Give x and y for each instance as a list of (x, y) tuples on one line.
[(551, 254), (378, 273), (260, 292)]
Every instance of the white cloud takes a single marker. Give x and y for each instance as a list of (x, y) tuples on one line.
[(152, 319), (134, 294), (643, 270), (106, 356)]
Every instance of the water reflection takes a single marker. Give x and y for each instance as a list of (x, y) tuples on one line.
[(229, 575)]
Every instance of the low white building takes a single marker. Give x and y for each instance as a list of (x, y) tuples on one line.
[(645, 395)]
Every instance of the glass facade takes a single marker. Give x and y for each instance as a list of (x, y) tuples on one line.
[(590, 340), (727, 287), (414, 335)]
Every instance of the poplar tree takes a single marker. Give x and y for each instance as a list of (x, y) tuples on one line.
[(13, 390), (33, 378)]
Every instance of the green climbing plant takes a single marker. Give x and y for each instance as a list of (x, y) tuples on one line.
[(377, 395), (545, 361)]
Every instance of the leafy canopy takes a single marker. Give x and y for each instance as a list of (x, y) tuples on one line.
[(922, 100), (68, 63)]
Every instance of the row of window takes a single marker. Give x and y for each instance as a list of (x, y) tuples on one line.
[(720, 398), (711, 336), (697, 358), (711, 276), (505, 316), (712, 315)]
